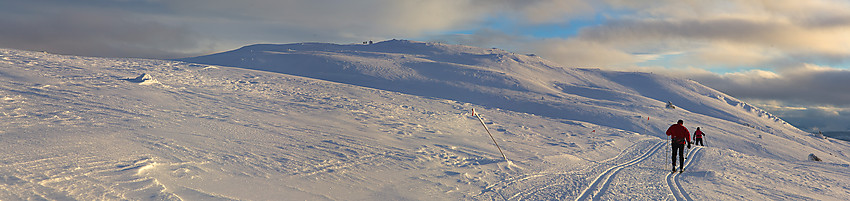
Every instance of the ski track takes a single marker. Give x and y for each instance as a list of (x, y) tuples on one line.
[(499, 187), (672, 180), (603, 180)]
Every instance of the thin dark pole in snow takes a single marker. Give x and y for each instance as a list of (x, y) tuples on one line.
[(673, 150), (488, 133)]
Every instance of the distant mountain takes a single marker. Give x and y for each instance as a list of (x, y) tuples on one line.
[(500, 79)]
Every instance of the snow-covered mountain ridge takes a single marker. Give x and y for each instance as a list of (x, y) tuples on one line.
[(387, 121), (489, 77)]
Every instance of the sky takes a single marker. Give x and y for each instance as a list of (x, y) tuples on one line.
[(789, 57)]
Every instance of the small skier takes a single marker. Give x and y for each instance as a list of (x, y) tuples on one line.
[(698, 137), (680, 136)]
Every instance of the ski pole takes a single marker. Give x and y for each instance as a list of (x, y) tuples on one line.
[(488, 133), (674, 152)]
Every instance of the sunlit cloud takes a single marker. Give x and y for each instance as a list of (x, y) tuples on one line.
[(550, 11), (807, 84), (577, 53)]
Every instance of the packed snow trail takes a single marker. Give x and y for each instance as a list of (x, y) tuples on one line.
[(676, 188), (576, 183), (603, 180)]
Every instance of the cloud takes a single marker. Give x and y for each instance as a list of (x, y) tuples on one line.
[(351, 21), (150, 28), (101, 33), (710, 32), (806, 84), (100, 27), (578, 53), (380, 17), (549, 11), (730, 55), (761, 41), (483, 38), (822, 118), (743, 33)]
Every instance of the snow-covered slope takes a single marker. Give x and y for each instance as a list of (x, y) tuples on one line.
[(498, 79), (388, 121)]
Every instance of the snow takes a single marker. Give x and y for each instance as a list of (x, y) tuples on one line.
[(387, 121)]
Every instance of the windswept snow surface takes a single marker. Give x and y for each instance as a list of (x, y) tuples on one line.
[(387, 121)]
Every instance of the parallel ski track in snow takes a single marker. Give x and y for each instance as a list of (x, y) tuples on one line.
[(676, 189), (497, 188), (603, 180)]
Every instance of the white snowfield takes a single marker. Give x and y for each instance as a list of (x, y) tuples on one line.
[(387, 121)]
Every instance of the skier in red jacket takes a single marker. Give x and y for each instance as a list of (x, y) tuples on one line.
[(680, 137), (698, 137)]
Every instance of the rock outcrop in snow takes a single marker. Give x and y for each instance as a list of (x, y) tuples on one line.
[(144, 79), (670, 105), (813, 157)]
